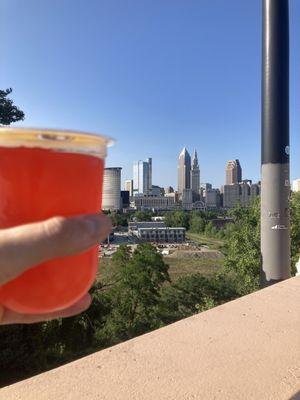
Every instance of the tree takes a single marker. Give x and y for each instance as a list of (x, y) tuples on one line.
[(69, 337), (136, 295), (193, 294), (177, 219), (196, 223), (118, 219), (9, 113), (143, 215), (242, 260), (210, 229), (295, 229)]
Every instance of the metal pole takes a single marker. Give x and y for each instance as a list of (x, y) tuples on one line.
[(275, 183)]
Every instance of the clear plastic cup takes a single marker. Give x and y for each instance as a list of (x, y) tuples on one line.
[(46, 173)]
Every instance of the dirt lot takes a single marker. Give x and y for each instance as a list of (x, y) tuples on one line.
[(187, 262), (181, 263), (202, 253)]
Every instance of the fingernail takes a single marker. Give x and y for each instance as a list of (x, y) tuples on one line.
[(80, 306), (85, 301), (97, 224)]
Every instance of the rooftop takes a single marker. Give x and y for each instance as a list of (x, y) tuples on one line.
[(245, 349)]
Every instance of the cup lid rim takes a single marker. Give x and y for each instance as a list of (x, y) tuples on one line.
[(99, 138)]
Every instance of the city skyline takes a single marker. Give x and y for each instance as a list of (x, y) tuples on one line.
[(191, 194), (205, 176), (187, 178)]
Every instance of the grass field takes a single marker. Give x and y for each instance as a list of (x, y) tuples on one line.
[(212, 243), (177, 267)]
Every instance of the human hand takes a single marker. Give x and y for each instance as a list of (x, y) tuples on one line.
[(24, 246)]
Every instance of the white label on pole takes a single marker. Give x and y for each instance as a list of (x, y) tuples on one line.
[(279, 227), (287, 150)]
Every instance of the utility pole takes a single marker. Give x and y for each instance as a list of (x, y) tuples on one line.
[(275, 181)]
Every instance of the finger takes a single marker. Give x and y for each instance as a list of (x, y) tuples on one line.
[(28, 245), (11, 317)]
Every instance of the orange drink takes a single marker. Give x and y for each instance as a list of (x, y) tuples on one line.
[(46, 173)]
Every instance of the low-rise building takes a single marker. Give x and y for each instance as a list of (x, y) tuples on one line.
[(221, 222), (162, 235), (156, 231), (133, 227), (199, 206), (153, 202)]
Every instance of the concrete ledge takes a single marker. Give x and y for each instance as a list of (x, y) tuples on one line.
[(245, 349)]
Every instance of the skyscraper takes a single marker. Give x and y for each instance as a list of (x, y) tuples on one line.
[(149, 161), (111, 197), (233, 172), (142, 180), (184, 171), (195, 176), (129, 186)]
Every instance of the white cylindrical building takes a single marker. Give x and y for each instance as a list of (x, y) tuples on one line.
[(111, 197)]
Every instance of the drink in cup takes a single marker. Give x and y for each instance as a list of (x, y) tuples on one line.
[(46, 173)]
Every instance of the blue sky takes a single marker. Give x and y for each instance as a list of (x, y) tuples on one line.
[(156, 75)]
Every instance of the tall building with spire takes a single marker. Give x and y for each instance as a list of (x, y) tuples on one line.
[(184, 171), (195, 176), (233, 172)]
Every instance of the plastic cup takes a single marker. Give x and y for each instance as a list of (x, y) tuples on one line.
[(46, 173)]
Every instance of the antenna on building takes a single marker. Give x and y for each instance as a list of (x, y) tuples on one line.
[(275, 184)]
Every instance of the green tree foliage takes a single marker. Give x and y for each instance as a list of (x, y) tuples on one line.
[(195, 293), (119, 311), (118, 219), (295, 228), (210, 229), (177, 219), (196, 222), (243, 259), (136, 294), (143, 215), (9, 113), (73, 336), (243, 248)]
